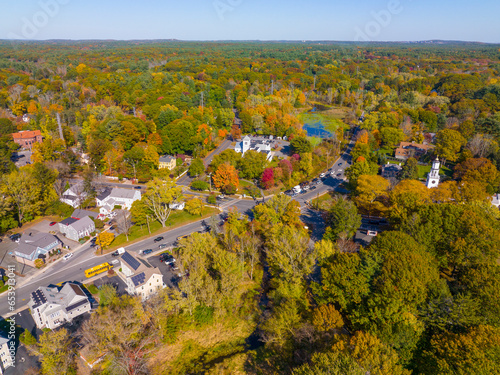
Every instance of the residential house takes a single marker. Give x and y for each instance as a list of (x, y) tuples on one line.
[(177, 206), (141, 278), (247, 144), (74, 196), (406, 150), (27, 138), (391, 170), (34, 244), (6, 359), (75, 229), (107, 200), (51, 307), (167, 161)]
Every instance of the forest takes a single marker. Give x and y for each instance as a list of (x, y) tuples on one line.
[(262, 296)]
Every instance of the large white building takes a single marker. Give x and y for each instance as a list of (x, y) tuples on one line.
[(433, 176), (247, 144), (108, 199), (51, 307), (141, 278)]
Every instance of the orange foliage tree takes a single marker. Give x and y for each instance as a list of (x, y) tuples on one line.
[(225, 177)]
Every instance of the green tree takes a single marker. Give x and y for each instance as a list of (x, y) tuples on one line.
[(409, 170), (343, 219), (197, 167), (300, 145), (252, 164)]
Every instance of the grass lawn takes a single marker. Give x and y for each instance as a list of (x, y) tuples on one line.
[(423, 170), (92, 288), (176, 219), (323, 202), (315, 141)]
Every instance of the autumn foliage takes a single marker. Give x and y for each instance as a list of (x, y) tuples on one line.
[(226, 176)]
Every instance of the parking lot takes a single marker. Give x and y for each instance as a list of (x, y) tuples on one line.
[(169, 277)]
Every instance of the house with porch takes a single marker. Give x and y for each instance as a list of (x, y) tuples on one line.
[(167, 161), (34, 244)]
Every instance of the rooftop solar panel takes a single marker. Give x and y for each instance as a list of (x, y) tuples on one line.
[(139, 279), (130, 260), (78, 304)]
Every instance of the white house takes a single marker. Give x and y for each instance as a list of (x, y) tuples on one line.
[(141, 278), (495, 200), (6, 359), (247, 144), (74, 229), (108, 199), (74, 196), (51, 307), (178, 206)]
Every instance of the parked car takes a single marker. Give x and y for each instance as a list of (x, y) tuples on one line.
[(67, 256), (167, 258), (15, 237), (53, 223), (147, 251), (322, 175), (137, 187), (372, 233), (158, 239)]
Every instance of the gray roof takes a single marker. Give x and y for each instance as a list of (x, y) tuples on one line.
[(29, 242), (166, 158), (82, 224), (69, 296), (122, 193), (68, 221), (78, 214), (102, 195)]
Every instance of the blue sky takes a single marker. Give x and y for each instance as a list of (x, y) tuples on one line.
[(385, 20)]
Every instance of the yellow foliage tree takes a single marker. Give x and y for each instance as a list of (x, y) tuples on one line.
[(104, 239), (194, 206), (326, 318), (370, 191)]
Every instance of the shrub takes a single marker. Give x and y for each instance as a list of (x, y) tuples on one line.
[(59, 209), (212, 199), (27, 338), (199, 185)]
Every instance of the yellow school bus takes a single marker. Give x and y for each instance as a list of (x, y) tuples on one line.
[(98, 269)]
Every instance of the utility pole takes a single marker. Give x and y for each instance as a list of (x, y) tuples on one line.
[(314, 83)]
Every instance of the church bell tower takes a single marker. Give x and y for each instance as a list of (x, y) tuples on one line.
[(433, 176)]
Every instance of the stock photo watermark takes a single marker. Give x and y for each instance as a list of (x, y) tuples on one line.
[(31, 26), (11, 300), (379, 21), (223, 6)]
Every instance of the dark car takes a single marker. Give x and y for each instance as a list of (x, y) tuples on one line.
[(167, 258), (147, 251), (15, 237), (137, 187), (162, 246), (53, 223), (158, 239)]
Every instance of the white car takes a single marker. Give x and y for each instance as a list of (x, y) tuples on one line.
[(67, 256), (322, 175)]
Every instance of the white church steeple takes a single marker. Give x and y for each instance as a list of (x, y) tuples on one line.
[(433, 176)]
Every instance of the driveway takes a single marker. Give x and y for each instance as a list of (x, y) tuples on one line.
[(169, 277)]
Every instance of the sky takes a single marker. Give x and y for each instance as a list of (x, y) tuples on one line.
[(355, 20)]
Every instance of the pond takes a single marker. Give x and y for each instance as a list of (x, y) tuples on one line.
[(320, 125)]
